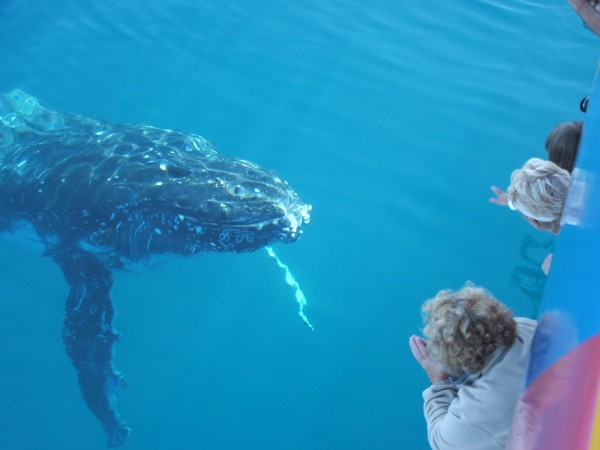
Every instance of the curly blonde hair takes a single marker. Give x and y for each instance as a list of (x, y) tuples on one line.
[(465, 327)]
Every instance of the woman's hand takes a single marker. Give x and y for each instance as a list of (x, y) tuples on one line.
[(576, 4), (501, 198), (419, 350), (589, 13)]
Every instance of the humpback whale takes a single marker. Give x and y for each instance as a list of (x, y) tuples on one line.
[(102, 197)]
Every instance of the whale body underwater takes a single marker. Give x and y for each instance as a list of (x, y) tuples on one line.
[(102, 197)]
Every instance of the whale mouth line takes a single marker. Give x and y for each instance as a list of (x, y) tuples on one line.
[(291, 216)]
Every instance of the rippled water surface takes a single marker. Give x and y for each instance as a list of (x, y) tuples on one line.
[(391, 118)]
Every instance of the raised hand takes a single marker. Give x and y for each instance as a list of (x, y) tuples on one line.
[(419, 350), (501, 198)]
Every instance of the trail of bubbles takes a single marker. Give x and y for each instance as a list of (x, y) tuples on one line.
[(289, 279)]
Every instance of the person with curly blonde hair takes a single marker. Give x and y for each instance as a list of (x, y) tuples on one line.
[(475, 355)]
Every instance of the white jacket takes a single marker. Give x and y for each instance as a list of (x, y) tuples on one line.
[(477, 414)]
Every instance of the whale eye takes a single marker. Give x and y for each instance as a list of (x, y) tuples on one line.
[(177, 172)]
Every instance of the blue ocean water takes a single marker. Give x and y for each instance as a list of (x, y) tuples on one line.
[(391, 120)]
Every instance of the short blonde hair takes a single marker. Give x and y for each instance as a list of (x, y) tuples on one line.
[(540, 188), (465, 327)]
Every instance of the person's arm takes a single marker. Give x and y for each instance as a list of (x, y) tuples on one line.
[(446, 429), (588, 13), (438, 398)]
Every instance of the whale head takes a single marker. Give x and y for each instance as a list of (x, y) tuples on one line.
[(166, 193), (229, 205), (249, 207)]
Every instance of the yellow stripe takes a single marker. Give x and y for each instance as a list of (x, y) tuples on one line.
[(595, 441)]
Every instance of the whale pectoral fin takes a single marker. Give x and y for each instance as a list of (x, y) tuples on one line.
[(89, 338)]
